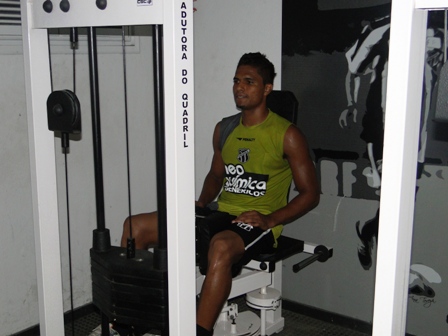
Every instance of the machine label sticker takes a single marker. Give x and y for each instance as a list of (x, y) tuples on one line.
[(144, 2)]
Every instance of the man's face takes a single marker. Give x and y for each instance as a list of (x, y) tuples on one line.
[(249, 91)]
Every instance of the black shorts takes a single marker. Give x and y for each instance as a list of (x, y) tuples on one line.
[(255, 240)]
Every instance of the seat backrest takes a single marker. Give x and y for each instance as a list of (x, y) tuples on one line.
[(284, 103)]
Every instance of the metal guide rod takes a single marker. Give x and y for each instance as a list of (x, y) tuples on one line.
[(101, 238), (96, 128), (160, 134)]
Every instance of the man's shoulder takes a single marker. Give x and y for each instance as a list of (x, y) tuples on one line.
[(233, 117), (277, 123), (279, 118), (226, 126)]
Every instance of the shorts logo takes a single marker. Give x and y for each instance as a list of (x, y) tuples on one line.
[(243, 155), (245, 226)]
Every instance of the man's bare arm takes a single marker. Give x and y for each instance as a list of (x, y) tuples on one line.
[(214, 179), (304, 176)]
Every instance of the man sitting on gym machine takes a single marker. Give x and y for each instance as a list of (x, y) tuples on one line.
[(251, 175)]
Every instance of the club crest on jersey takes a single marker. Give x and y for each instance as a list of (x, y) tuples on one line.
[(243, 155)]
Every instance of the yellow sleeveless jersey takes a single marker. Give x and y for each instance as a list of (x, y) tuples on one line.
[(257, 176)]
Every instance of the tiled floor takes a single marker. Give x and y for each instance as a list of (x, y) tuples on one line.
[(300, 325), (295, 325)]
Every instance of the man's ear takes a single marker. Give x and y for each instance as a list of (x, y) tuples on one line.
[(268, 88)]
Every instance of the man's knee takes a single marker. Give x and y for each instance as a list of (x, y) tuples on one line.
[(126, 226), (225, 250), (143, 228), (219, 247), (132, 226)]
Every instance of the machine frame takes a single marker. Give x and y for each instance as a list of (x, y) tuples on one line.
[(176, 17)]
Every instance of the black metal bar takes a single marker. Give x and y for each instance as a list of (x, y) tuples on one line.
[(96, 128), (304, 263), (160, 134), (101, 236)]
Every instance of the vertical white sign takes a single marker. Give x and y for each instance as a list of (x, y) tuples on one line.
[(179, 133)]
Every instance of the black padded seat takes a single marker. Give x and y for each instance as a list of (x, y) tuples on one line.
[(286, 248)]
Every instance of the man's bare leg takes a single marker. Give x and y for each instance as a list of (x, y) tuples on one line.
[(226, 248), (144, 230)]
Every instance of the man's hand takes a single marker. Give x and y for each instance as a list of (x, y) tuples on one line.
[(255, 218)]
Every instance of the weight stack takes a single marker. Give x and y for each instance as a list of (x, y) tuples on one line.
[(130, 291)]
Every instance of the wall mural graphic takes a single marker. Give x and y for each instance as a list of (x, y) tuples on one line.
[(421, 279), (335, 61), (352, 116)]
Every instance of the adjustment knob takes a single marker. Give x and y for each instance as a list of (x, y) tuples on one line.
[(64, 6), (101, 4), (48, 6)]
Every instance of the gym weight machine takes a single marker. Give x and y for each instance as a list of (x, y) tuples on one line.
[(41, 16)]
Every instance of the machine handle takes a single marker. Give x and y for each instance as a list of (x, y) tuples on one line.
[(321, 253)]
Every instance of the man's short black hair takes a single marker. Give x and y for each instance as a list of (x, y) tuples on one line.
[(259, 61)]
